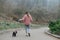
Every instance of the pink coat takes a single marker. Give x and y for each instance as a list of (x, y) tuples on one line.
[(27, 20)]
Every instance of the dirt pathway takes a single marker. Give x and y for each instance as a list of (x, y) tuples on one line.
[(36, 34)]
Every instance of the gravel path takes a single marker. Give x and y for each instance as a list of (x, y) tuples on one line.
[(36, 34)]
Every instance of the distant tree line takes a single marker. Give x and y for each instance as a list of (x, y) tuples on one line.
[(39, 13)]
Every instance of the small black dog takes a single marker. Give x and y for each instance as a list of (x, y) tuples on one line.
[(14, 33)]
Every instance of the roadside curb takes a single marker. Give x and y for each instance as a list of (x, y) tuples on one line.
[(48, 32)]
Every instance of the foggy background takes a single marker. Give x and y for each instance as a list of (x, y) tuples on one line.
[(41, 10)]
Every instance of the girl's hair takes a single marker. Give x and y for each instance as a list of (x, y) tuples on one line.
[(27, 13)]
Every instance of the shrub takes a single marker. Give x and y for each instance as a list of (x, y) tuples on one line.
[(54, 27)]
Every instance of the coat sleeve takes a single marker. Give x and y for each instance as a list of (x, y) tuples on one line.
[(23, 18)]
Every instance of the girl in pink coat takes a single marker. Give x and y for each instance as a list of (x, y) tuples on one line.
[(27, 19)]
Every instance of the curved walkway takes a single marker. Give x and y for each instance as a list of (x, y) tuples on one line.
[(36, 34)]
